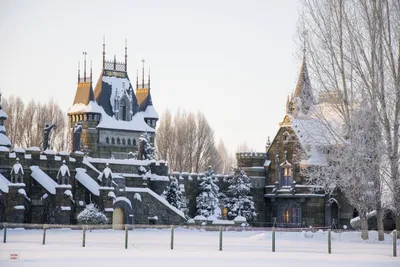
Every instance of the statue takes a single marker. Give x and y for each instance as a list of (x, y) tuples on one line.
[(76, 133), (46, 135)]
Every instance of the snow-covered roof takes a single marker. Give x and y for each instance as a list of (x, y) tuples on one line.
[(158, 197), (87, 181), (4, 183), (4, 141), (4, 149), (118, 161), (118, 87), (91, 107), (150, 112), (18, 150), (136, 124), (33, 148), (42, 178)]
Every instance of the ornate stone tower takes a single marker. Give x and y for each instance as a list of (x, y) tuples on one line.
[(303, 99), (86, 111)]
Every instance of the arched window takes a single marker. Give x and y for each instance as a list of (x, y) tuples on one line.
[(112, 141), (289, 212), (123, 141), (134, 142), (107, 140), (118, 141), (123, 109), (129, 142)]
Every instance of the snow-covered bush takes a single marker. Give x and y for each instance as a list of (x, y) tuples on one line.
[(146, 149), (173, 193), (239, 202), (207, 201), (91, 215)]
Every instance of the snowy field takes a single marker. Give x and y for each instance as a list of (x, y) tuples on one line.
[(151, 247)]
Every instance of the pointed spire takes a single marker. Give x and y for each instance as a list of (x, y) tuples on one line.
[(84, 68), (303, 88), (149, 80), (104, 51), (79, 71), (126, 55), (137, 79), (115, 61), (91, 71), (142, 73)]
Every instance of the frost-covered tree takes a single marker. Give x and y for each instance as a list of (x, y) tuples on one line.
[(239, 200), (146, 149), (91, 215), (173, 193), (207, 201)]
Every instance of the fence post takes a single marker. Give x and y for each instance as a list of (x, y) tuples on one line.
[(172, 237), (84, 236), (5, 233), (273, 240), (394, 243), (329, 241), (220, 238), (126, 236), (44, 234)]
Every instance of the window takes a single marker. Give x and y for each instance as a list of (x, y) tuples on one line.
[(129, 142), (134, 142), (289, 212), (123, 109), (112, 141), (90, 117), (107, 140), (123, 141), (286, 176), (118, 141)]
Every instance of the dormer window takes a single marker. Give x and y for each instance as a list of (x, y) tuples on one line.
[(123, 109)]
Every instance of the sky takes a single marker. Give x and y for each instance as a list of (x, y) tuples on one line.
[(235, 61)]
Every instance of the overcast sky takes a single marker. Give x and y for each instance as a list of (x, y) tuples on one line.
[(233, 60)]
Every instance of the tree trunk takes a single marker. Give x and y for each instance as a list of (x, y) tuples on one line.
[(364, 225), (379, 220)]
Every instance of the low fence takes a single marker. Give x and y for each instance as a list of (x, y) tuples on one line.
[(218, 229)]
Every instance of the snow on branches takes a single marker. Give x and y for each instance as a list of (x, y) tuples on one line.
[(173, 193), (207, 201), (91, 215), (146, 149), (239, 202)]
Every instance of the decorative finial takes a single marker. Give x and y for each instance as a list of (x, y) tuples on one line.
[(142, 73), (115, 62), (104, 51), (84, 68), (126, 55)]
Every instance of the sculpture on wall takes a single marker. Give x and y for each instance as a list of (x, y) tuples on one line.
[(46, 135)]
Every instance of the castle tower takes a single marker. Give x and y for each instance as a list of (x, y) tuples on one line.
[(145, 101), (4, 141), (302, 99), (85, 110)]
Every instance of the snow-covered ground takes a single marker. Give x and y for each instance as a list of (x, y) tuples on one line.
[(192, 248)]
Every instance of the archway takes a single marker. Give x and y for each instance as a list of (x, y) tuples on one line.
[(289, 213), (118, 219), (332, 213)]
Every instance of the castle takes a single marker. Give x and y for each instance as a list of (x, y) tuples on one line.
[(112, 117), (48, 187)]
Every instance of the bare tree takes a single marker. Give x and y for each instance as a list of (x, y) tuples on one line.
[(187, 142), (353, 49), (227, 160), (14, 107)]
